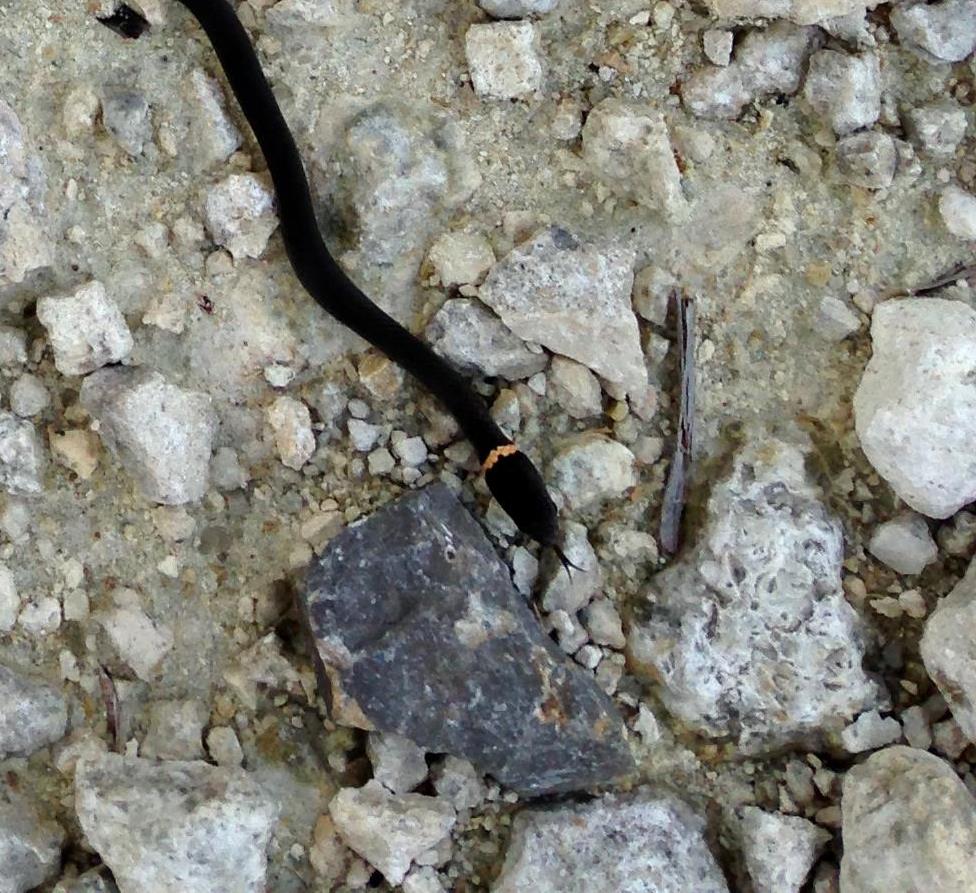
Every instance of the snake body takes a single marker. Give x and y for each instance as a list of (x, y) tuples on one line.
[(512, 478)]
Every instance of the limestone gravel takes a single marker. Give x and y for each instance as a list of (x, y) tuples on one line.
[(34, 714), (779, 849)]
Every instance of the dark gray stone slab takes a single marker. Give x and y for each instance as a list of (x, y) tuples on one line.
[(419, 630)]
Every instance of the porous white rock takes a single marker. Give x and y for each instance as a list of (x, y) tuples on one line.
[(21, 456), (138, 640), (575, 388), (949, 651), (869, 732), (126, 116), (844, 89), (868, 160), (915, 408), (516, 9), (160, 433), (936, 129), (175, 826), (398, 764), (239, 211), (803, 12), (30, 844), (291, 423), (86, 329), (593, 468), (629, 147), (474, 338), (751, 635), (460, 258), (779, 849), (387, 830), (33, 714), (909, 825), (574, 298), (640, 844), (939, 32), (504, 60), (767, 62), (958, 210), (904, 543)]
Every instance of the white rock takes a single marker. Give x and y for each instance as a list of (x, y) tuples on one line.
[(869, 732), (936, 129), (803, 12), (909, 824), (592, 469), (575, 388), (751, 635), (213, 135), (398, 764), (363, 435), (642, 844), (915, 408), (779, 849), (411, 451), (13, 348), (629, 148), (504, 59), (473, 338), (86, 329), (141, 642), (940, 32), (457, 781), (571, 591), (916, 727), (567, 120), (175, 730), (34, 714), (177, 825), (767, 62), (575, 299), (125, 114), (868, 160), (844, 89), (516, 9), (30, 844), (423, 880), (28, 396), (390, 831), (958, 210), (905, 544), (949, 651), (21, 456), (9, 600), (240, 215), (226, 471), (461, 258), (602, 621), (40, 616), (717, 44), (303, 13), (160, 433), (380, 461), (835, 320), (291, 423)]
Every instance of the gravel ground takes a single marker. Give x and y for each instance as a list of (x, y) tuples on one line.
[(184, 435)]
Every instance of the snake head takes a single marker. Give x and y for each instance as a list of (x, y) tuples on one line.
[(519, 488)]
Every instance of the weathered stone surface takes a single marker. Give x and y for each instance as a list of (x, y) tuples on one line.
[(642, 844), (868, 160), (30, 845), (957, 207), (240, 215), (160, 433), (939, 32), (779, 849), (844, 89), (126, 116), (909, 825), (420, 632), (173, 827), (751, 635), (803, 12), (21, 456), (504, 59), (32, 714), (575, 299), (949, 651), (915, 408)]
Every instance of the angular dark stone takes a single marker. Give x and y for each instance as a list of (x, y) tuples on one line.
[(419, 630)]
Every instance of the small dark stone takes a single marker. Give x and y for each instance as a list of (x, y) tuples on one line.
[(419, 630)]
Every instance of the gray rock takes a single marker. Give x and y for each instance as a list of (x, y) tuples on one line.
[(213, 135), (459, 782), (844, 89), (803, 12), (575, 299), (835, 319), (939, 32), (98, 880), (160, 433), (419, 631), (516, 9), (958, 538), (387, 830), (504, 59), (641, 844), (28, 396), (629, 147), (175, 730), (30, 845), (869, 732), (125, 114), (32, 714), (751, 635), (779, 849), (909, 825), (564, 591), (949, 651), (592, 469), (904, 544), (21, 456), (936, 129), (398, 764), (868, 160), (473, 338), (240, 215), (575, 388), (915, 408), (766, 63), (173, 827), (717, 44)]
